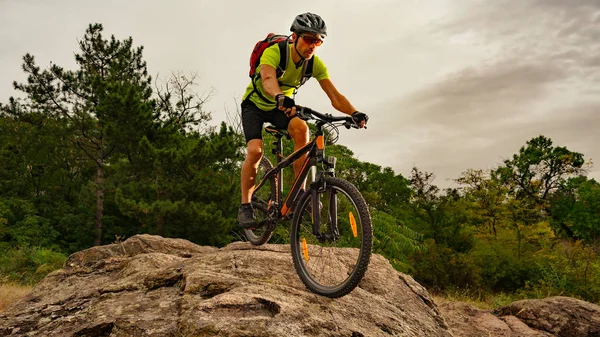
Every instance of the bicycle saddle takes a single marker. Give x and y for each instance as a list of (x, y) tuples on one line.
[(277, 132)]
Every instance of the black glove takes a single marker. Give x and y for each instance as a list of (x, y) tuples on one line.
[(360, 117), (284, 101)]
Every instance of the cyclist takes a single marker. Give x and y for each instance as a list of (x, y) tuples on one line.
[(270, 99)]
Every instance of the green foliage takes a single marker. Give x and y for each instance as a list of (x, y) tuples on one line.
[(575, 209), (101, 110), (485, 199), (509, 220), (439, 217), (501, 267), (570, 268), (439, 267), (382, 187), (21, 226), (394, 240), (80, 137), (29, 264), (539, 169), (187, 191)]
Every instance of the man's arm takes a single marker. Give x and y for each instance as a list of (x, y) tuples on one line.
[(338, 101), (341, 103), (269, 80), (271, 86)]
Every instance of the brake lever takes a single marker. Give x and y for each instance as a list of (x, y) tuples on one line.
[(353, 125)]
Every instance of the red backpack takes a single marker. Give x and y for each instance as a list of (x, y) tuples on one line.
[(283, 41)]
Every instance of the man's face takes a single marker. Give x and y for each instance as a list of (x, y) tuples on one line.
[(307, 44)]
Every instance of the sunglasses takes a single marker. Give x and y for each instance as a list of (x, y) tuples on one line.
[(311, 40)]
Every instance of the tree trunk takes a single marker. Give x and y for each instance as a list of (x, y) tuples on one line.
[(99, 197)]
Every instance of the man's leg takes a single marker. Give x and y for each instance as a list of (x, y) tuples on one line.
[(298, 130), (252, 121), (253, 156), (248, 178)]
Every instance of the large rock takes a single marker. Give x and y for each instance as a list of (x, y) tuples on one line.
[(152, 286), (553, 316), (560, 316)]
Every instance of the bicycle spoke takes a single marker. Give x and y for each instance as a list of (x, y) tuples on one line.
[(333, 262)]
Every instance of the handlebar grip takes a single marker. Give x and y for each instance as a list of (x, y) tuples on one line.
[(303, 112)]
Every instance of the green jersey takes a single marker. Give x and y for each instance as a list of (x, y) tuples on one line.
[(290, 80)]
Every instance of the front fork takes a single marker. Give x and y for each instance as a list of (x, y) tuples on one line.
[(318, 185)]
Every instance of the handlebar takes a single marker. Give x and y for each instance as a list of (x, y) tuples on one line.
[(305, 113)]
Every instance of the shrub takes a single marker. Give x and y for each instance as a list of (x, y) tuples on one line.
[(28, 264)]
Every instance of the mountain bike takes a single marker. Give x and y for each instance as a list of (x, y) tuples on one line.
[(331, 230)]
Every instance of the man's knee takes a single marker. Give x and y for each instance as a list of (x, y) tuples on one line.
[(254, 151), (298, 130)]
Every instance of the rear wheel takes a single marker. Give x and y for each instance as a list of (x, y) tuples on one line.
[(333, 263), (261, 200)]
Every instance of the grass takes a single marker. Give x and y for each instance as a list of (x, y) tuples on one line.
[(10, 293), (484, 301)]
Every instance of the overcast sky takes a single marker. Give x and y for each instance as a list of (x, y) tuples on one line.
[(448, 85)]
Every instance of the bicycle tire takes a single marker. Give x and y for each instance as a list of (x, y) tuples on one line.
[(260, 236), (300, 247)]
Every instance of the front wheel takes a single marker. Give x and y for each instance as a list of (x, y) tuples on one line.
[(332, 256)]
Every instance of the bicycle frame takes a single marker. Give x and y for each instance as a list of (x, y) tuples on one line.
[(315, 149)]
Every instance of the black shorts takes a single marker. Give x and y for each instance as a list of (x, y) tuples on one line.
[(253, 119)]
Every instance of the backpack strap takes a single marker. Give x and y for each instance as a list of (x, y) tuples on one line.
[(307, 70), (283, 57), (283, 63)]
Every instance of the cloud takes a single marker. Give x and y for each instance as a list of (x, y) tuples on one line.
[(488, 92), (538, 76)]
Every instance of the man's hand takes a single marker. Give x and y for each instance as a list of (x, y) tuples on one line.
[(286, 105), (360, 118)]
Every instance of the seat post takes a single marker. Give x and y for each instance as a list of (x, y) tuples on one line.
[(278, 151), (278, 148)]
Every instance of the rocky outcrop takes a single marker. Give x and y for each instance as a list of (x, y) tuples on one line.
[(559, 316), (553, 316), (152, 286)]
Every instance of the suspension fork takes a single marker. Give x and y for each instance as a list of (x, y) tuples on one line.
[(316, 212), (333, 226), (316, 186)]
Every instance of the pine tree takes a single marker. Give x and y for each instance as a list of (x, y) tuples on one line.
[(104, 103)]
